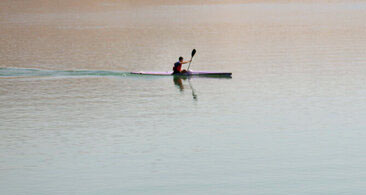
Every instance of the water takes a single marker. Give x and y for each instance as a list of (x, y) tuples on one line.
[(290, 121)]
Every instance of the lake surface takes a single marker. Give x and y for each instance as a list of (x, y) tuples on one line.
[(291, 120)]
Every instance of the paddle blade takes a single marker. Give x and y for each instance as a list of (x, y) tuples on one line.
[(193, 52)]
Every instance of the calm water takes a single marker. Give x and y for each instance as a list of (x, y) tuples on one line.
[(290, 121)]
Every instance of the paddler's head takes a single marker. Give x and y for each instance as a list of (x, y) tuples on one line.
[(180, 59)]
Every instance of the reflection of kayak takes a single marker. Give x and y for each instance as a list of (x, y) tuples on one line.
[(190, 73)]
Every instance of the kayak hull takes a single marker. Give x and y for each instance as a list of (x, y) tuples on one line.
[(187, 74)]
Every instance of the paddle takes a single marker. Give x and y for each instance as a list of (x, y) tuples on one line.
[(192, 54)]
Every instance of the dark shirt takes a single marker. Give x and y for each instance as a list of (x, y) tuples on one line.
[(177, 67)]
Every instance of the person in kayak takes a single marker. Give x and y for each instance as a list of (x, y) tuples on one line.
[(177, 68)]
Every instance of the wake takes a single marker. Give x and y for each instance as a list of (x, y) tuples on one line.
[(31, 72)]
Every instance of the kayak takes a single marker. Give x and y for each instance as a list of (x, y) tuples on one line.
[(188, 74)]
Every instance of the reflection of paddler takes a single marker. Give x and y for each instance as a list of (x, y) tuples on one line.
[(193, 91), (178, 82)]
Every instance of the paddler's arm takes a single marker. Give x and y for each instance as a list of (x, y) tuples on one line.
[(186, 62)]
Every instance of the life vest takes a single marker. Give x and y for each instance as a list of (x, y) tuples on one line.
[(177, 67)]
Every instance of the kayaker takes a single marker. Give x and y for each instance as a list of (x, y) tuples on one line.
[(178, 66)]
